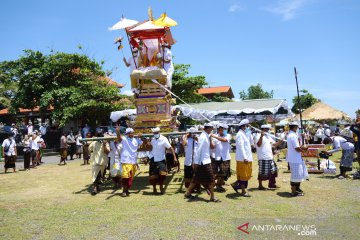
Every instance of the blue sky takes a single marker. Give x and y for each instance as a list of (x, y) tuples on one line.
[(231, 42)]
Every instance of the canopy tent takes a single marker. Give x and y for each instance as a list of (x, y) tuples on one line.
[(321, 112), (233, 112)]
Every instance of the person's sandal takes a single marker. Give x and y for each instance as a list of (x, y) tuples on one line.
[(297, 194), (245, 195), (215, 200), (123, 194)]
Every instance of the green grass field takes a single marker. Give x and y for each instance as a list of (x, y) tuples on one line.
[(53, 202)]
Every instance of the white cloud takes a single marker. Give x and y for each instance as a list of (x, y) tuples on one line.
[(236, 8), (128, 93), (288, 9)]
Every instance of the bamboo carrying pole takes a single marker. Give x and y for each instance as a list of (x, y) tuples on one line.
[(110, 138)]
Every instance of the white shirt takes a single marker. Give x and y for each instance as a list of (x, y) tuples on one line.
[(189, 151), (327, 132), (250, 137), (129, 150), (158, 148), (39, 141), (30, 129), (319, 134), (43, 130), (34, 143), (11, 144), (78, 138), (222, 149), (264, 152), (341, 143), (168, 57), (243, 147), (202, 155), (293, 156)]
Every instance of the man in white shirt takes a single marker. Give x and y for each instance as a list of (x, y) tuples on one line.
[(327, 131), (221, 167), (297, 166), (264, 149), (128, 157), (203, 172), (158, 169), (243, 158), (319, 135), (190, 143), (347, 157), (9, 152), (34, 146), (168, 65)]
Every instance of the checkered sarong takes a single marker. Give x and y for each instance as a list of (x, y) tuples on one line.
[(266, 169)]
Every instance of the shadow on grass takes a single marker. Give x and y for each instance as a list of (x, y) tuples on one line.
[(140, 185), (284, 194), (233, 195), (329, 177)]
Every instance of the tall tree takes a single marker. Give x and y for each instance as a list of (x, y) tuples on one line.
[(256, 92), (71, 83), (185, 86), (306, 101)]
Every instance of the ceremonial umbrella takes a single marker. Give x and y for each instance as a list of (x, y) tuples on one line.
[(123, 23), (165, 21)]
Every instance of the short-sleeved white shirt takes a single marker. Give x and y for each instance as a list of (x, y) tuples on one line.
[(158, 148), (340, 142), (202, 155), (34, 143), (11, 144), (189, 151), (293, 142), (264, 152), (129, 150), (222, 149)]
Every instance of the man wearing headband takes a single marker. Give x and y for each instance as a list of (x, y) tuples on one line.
[(128, 157), (158, 169), (243, 159), (203, 173), (297, 166), (264, 149), (221, 166)]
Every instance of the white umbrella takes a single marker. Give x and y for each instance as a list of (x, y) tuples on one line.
[(123, 23)]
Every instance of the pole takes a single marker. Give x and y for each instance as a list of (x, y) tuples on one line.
[(131, 49), (299, 104), (166, 134)]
